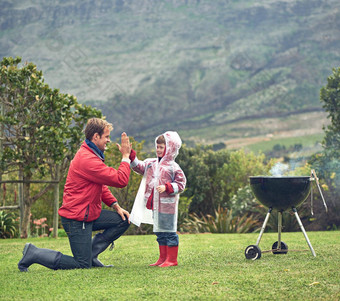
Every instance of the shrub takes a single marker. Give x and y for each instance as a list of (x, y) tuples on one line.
[(222, 222), (214, 177), (8, 225), (62, 233), (243, 201)]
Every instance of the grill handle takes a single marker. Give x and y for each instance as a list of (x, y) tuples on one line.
[(316, 179)]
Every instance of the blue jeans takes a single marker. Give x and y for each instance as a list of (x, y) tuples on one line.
[(169, 239), (80, 237)]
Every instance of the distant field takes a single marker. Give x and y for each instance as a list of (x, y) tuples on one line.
[(310, 143), (262, 134)]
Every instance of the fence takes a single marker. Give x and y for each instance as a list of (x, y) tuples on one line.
[(21, 200)]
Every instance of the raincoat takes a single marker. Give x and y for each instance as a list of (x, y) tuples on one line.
[(157, 172), (86, 185)]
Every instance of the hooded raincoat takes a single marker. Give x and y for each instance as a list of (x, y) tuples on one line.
[(157, 172)]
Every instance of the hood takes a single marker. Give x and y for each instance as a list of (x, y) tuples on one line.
[(172, 143)]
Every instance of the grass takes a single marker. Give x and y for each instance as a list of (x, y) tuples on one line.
[(263, 133), (211, 267), (307, 141)]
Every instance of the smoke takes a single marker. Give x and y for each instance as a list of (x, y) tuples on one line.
[(295, 160), (279, 169)]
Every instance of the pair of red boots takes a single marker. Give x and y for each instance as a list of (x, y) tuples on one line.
[(167, 257)]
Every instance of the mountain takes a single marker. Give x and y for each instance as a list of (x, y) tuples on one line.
[(216, 71)]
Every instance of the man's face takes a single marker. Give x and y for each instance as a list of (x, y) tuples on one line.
[(101, 141), (160, 150)]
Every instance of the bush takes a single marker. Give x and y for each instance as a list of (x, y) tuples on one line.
[(8, 225), (214, 177), (243, 201), (222, 222), (62, 233)]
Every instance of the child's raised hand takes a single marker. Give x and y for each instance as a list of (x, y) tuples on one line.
[(161, 188)]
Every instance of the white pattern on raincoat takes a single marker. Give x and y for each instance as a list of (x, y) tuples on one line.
[(155, 173)]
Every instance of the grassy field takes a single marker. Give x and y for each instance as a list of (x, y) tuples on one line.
[(262, 134), (310, 143), (211, 267)]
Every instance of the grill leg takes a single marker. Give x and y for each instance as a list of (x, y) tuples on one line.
[(264, 225), (279, 228), (303, 231)]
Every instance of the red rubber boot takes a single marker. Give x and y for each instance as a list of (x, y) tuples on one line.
[(162, 256), (171, 259)]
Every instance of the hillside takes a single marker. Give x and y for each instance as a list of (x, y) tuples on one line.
[(213, 70)]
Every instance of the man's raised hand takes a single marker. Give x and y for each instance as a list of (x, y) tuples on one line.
[(125, 146)]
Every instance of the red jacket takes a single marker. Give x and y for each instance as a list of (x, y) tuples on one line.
[(86, 185)]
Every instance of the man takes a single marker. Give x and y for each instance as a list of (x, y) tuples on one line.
[(81, 211)]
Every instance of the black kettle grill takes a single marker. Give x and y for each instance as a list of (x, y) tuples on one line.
[(281, 193)]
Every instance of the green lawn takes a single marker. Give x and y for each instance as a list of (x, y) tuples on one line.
[(211, 267)]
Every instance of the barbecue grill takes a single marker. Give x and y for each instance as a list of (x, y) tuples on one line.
[(281, 193)]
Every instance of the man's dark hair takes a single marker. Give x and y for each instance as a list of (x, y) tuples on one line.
[(96, 125)]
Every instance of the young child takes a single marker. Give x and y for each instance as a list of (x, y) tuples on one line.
[(163, 180)]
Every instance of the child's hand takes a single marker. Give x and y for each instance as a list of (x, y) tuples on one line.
[(161, 188)]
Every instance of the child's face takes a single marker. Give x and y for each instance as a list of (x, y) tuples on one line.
[(160, 150)]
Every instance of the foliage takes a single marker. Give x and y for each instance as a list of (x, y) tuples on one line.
[(183, 211), (8, 225), (241, 165), (223, 221), (330, 96), (327, 163), (8, 191), (62, 233), (280, 150), (43, 207), (328, 172), (243, 201), (200, 166), (42, 127), (214, 177)]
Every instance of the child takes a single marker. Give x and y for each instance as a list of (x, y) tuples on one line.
[(163, 180)]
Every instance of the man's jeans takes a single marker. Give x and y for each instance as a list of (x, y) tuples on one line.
[(80, 237)]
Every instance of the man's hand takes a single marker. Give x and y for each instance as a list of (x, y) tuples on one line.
[(122, 212), (125, 146)]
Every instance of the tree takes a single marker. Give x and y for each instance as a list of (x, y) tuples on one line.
[(41, 128), (327, 163), (200, 166), (214, 177), (330, 96)]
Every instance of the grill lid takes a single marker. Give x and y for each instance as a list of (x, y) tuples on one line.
[(280, 193)]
